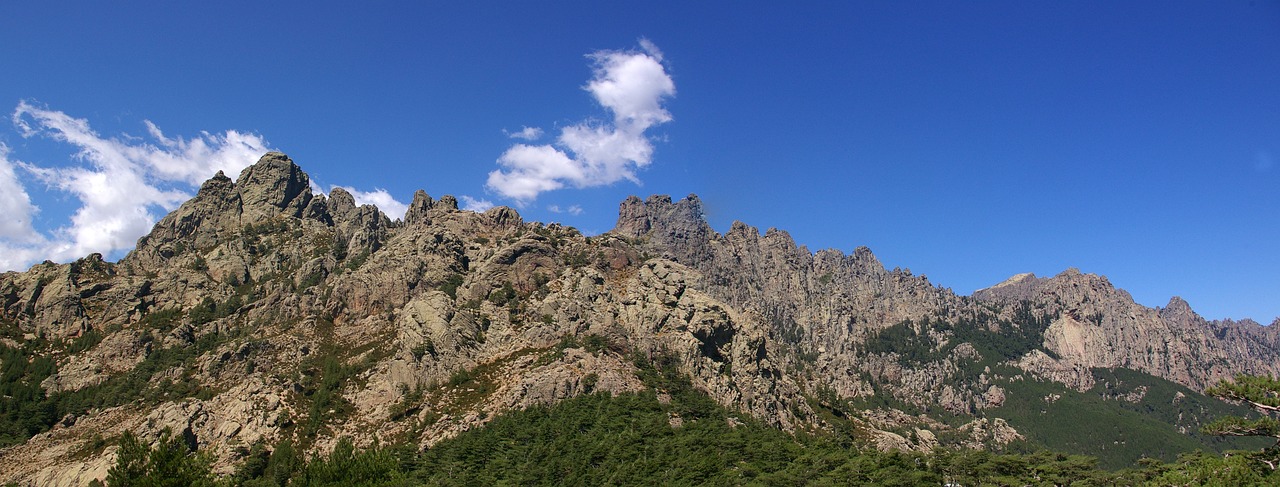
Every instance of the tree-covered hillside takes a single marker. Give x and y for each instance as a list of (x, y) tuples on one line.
[(667, 434)]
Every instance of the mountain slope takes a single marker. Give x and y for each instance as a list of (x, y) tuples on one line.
[(258, 311)]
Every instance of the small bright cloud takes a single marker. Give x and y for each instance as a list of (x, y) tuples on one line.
[(526, 133), (631, 86), (378, 197), (574, 210), (474, 204)]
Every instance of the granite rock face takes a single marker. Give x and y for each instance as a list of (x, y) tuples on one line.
[(427, 327), (1101, 326)]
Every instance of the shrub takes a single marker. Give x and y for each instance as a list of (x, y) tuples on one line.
[(170, 463)]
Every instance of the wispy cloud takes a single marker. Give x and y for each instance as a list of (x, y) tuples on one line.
[(574, 210), (119, 182), (474, 204), (526, 133), (20, 243), (378, 197), (15, 204), (631, 86)]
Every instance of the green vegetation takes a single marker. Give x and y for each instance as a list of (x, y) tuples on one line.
[(504, 296), (1120, 431), (85, 341), (358, 260), (269, 468), (164, 319), (637, 439), (171, 463), (1263, 394), (25, 408), (411, 403), (209, 310), (577, 259), (460, 377), (995, 339), (324, 377), (912, 346), (345, 466), (450, 285), (1126, 417), (427, 347), (825, 278)]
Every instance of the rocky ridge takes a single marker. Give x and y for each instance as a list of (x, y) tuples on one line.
[(258, 310)]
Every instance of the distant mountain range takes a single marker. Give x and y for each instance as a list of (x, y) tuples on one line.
[(259, 311)]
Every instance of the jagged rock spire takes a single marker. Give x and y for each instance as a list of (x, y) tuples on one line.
[(273, 186)]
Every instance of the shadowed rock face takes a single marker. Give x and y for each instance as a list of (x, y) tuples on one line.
[(262, 282), (273, 186)]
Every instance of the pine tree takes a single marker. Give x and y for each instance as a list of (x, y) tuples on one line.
[(1263, 394), (170, 464)]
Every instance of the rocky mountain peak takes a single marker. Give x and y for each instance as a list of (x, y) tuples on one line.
[(1070, 287), (864, 257), (1019, 286), (1081, 283), (272, 186), (1179, 311), (341, 205), (419, 208), (447, 202), (678, 228), (217, 182), (1178, 305), (659, 214)]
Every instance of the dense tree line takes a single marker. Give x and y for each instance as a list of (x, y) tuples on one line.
[(634, 439)]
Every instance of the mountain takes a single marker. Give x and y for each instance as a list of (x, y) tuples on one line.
[(258, 311)]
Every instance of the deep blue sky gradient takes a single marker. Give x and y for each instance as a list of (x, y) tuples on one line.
[(966, 141)]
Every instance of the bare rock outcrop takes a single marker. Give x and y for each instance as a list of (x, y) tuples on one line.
[(273, 187)]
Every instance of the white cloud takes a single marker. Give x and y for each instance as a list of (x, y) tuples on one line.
[(20, 243), (118, 181), (15, 204), (526, 133), (574, 210), (631, 86), (476, 205), (195, 160), (380, 198), (651, 48)]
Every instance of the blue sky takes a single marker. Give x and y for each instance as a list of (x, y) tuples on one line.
[(965, 141)]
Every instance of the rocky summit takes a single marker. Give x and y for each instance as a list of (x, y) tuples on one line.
[(259, 311)]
